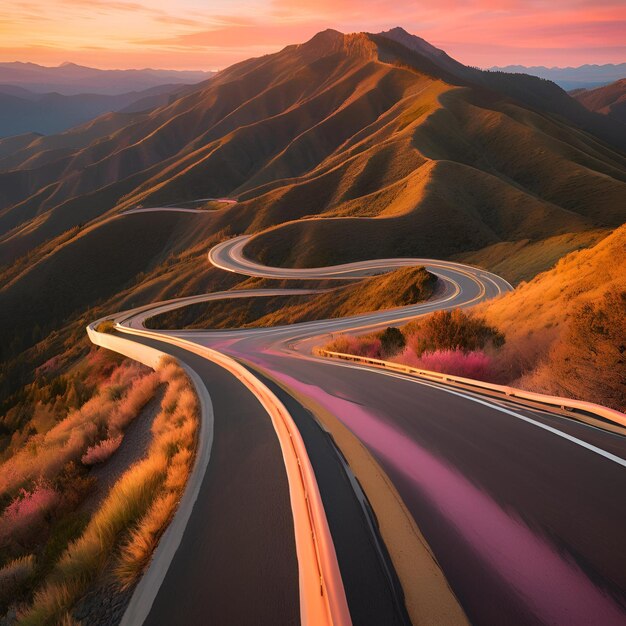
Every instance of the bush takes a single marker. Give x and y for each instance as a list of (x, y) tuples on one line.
[(108, 326), (129, 522), (391, 341), (14, 574), (474, 364), (101, 451), (44, 455), (366, 346), (452, 330), (26, 511), (589, 359)]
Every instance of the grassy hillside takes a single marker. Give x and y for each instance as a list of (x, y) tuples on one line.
[(562, 333), (342, 148), (609, 100), (566, 330), (342, 125)]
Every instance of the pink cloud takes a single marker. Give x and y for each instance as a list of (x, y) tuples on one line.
[(247, 34), (477, 32)]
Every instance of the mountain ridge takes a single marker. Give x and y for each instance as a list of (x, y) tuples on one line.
[(609, 100), (585, 76), (298, 132), (23, 111), (73, 79), (339, 149)]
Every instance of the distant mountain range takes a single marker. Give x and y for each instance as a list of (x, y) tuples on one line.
[(24, 111), (585, 76), (71, 79), (47, 100)]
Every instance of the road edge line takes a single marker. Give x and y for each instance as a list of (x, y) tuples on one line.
[(508, 393), (322, 595)]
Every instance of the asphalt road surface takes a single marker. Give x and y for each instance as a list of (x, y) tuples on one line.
[(524, 510)]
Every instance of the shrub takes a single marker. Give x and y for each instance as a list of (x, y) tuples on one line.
[(108, 326), (130, 521), (589, 359), (26, 511), (366, 346), (391, 341), (452, 330), (14, 574), (44, 455), (473, 364), (101, 451)]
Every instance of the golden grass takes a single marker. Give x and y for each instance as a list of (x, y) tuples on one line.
[(523, 260), (135, 554), (401, 287), (564, 328), (14, 574), (105, 415), (130, 521)]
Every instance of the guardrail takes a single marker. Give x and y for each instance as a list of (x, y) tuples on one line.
[(322, 595), (598, 410)]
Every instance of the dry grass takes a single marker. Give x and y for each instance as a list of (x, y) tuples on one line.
[(523, 260), (129, 522), (135, 554), (14, 574), (565, 329), (108, 326), (106, 415), (401, 287)]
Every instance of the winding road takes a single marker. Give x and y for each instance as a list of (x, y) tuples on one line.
[(522, 508)]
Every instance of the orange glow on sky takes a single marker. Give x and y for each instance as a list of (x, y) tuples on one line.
[(209, 34)]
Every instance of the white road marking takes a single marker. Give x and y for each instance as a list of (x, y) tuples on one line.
[(524, 418)]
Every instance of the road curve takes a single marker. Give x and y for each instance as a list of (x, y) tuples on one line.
[(181, 207), (521, 514)]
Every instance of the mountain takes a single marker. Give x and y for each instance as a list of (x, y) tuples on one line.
[(345, 147), (608, 100), (23, 111), (585, 76), (71, 79)]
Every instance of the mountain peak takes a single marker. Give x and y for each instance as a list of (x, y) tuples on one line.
[(330, 41), (328, 37), (413, 42)]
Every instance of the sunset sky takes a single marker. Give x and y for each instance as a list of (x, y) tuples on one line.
[(212, 34)]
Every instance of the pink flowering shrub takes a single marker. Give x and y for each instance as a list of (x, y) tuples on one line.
[(366, 346), (49, 366), (408, 357), (110, 411), (475, 364), (26, 510), (101, 451)]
